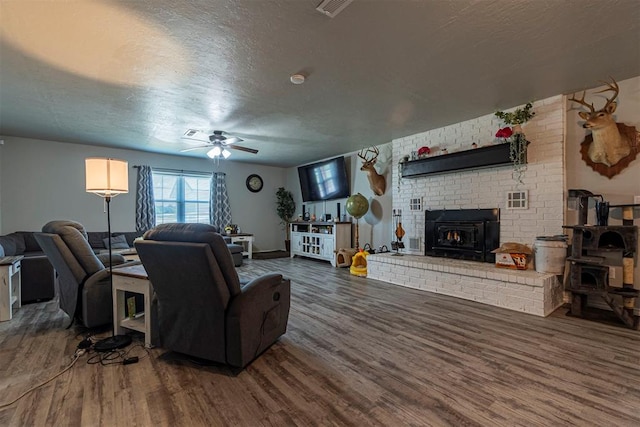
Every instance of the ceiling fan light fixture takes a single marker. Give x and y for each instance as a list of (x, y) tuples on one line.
[(226, 153), (214, 152), (297, 79)]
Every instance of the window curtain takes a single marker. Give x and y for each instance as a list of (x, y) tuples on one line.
[(219, 208), (145, 205)]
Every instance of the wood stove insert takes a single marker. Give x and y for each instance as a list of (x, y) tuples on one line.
[(469, 234)]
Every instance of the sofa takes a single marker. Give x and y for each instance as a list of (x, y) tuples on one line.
[(38, 276), (37, 273), (98, 241)]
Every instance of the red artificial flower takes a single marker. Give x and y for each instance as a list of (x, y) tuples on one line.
[(504, 133), (424, 150)]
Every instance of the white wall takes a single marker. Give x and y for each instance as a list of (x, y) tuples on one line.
[(486, 188), (43, 180), (375, 226)]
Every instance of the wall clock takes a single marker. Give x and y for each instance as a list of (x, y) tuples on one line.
[(254, 183)]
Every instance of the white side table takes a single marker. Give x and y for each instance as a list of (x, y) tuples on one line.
[(10, 286), (132, 279), (244, 238)]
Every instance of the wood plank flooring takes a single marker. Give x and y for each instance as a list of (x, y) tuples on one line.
[(357, 353)]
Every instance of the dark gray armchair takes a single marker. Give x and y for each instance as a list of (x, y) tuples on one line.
[(202, 308), (84, 288)]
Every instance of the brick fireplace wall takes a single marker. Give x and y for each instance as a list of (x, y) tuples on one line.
[(525, 291), (487, 188)]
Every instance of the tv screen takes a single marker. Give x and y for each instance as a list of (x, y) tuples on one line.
[(325, 180)]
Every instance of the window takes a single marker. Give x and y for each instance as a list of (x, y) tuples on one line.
[(181, 197)]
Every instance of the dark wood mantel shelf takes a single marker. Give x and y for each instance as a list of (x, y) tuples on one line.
[(492, 155)]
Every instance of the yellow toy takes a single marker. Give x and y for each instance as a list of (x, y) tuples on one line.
[(359, 264)]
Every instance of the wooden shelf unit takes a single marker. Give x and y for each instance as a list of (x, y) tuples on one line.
[(320, 240)]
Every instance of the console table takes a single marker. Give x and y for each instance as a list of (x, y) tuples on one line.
[(10, 286), (132, 278), (320, 240)]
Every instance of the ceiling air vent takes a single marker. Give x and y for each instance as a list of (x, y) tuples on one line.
[(331, 8), (190, 132)]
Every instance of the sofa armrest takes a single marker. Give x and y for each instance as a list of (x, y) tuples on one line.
[(38, 278), (257, 317), (97, 279), (116, 258), (97, 306)]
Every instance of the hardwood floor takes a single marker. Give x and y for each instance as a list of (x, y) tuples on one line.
[(357, 352)]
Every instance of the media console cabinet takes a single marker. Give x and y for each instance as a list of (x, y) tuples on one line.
[(320, 240)]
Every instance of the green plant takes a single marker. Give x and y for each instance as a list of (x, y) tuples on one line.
[(517, 117), (285, 207), (517, 141)]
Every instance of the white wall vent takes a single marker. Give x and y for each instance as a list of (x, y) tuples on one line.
[(517, 200), (331, 8), (414, 243), (415, 204)]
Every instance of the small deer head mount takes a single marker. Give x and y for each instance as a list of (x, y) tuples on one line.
[(376, 181), (608, 145)]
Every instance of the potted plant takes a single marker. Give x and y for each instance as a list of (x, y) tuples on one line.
[(285, 208), (515, 136)]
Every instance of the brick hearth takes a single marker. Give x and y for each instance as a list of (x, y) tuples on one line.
[(525, 291)]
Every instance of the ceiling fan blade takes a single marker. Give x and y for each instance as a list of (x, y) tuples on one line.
[(195, 148), (193, 139), (248, 150), (231, 140)]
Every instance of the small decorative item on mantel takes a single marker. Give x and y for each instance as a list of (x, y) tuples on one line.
[(474, 145), (424, 152), (515, 137), (444, 151)]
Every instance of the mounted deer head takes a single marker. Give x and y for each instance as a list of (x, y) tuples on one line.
[(376, 181), (609, 146)]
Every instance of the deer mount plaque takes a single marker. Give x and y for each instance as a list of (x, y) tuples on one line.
[(612, 146), (613, 170)]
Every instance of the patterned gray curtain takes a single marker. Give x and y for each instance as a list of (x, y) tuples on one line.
[(219, 208), (145, 205)]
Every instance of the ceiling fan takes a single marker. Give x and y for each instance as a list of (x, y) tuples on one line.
[(217, 142)]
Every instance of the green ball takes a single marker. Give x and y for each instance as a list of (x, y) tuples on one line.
[(357, 205)]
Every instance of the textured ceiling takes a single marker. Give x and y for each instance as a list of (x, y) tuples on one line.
[(138, 74)]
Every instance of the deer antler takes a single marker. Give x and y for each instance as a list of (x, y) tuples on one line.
[(610, 87), (583, 102), (373, 150)]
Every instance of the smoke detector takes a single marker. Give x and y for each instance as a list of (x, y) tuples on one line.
[(331, 8), (297, 79)]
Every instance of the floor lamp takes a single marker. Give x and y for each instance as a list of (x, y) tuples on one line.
[(107, 178)]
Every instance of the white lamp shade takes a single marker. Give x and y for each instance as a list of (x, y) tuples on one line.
[(214, 152), (226, 153), (107, 177)]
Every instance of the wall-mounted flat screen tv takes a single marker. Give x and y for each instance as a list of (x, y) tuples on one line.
[(325, 180)]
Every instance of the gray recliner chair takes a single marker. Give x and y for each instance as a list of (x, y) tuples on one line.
[(202, 308), (84, 287)]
